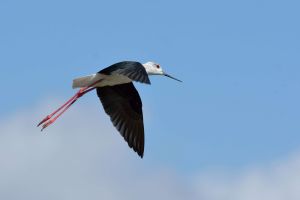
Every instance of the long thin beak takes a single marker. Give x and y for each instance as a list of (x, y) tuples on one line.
[(171, 77)]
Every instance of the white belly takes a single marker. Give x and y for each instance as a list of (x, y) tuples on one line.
[(115, 79), (104, 80)]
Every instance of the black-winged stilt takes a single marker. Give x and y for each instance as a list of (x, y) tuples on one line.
[(119, 98)]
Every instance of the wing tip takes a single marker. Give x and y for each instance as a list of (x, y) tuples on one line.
[(148, 81), (140, 153), (145, 80), (138, 150), (141, 156)]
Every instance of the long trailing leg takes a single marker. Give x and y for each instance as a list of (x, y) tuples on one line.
[(57, 110), (49, 120), (77, 96)]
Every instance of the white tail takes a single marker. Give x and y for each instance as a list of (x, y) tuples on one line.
[(85, 81)]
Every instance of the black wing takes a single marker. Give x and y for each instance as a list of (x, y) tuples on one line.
[(133, 70), (124, 106)]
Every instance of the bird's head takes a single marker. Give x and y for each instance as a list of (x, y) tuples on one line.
[(153, 68)]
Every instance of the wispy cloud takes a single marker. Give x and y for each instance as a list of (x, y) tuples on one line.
[(83, 157), (80, 157), (279, 180)]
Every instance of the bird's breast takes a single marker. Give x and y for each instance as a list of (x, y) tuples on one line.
[(111, 80)]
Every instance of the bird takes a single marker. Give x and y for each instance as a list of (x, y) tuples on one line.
[(119, 98)]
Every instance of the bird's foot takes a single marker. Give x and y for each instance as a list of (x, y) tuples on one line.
[(48, 120), (44, 120), (48, 123)]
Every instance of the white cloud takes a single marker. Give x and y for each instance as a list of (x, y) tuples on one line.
[(279, 180), (83, 157)]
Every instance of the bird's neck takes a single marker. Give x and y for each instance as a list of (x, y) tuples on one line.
[(148, 69)]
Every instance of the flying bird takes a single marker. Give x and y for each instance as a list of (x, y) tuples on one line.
[(120, 99)]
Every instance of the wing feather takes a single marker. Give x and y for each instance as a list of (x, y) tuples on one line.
[(133, 70), (124, 106)]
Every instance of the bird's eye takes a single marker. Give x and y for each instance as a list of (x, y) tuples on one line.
[(157, 66)]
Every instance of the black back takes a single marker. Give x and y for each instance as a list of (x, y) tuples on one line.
[(133, 70), (124, 106)]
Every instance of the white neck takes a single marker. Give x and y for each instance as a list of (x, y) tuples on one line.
[(151, 69), (148, 68)]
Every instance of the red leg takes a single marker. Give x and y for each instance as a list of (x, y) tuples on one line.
[(52, 114), (61, 107), (47, 120), (50, 121)]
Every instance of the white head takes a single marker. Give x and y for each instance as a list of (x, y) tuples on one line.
[(153, 68)]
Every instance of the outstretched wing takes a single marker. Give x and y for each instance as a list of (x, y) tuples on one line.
[(133, 70), (124, 106)]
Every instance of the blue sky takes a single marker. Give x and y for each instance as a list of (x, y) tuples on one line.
[(238, 105)]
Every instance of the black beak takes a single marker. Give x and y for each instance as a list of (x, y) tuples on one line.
[(167, 75)]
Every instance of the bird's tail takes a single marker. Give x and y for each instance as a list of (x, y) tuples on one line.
[(84, 81)]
